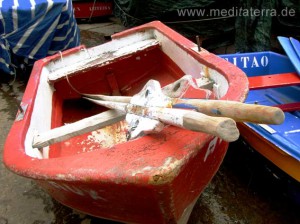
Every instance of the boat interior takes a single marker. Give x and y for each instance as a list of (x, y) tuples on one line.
[(120, 67), (123, 77)]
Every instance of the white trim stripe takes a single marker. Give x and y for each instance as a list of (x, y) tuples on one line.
[(15, 14), (44, 38), (30, 29)]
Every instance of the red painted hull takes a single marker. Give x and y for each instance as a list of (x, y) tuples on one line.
[(163, 199), (153, 179), (89, 9)]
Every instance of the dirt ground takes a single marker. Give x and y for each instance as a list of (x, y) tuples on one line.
[(245, 190)]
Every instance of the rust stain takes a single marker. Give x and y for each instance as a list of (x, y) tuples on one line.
[(167, 172), (106, 137)]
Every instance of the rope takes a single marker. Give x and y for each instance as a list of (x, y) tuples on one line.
[(67, 76), (119, 7), (92, 12), (199, 20)]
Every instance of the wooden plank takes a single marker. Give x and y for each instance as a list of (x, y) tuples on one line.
[(272, 81), (77, 128), (289, 107), (69, 66)]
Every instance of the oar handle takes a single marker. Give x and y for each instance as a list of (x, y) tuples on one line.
[(222, 127), (238, 111)]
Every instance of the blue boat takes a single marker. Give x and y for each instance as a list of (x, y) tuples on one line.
[(273, 81)]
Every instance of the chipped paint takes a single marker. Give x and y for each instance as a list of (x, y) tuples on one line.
[(144, 169), (77, 190), (167, 171), (211, 147), (106, 137), (100, 55)]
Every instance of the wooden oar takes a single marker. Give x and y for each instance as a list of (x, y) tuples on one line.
[(290, 51), (77, 128), (121, 99), (296, 45), (240, 112), (222, 127)]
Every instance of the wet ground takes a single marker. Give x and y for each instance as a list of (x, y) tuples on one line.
[(245, 190)]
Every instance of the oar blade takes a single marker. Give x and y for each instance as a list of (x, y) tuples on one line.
[(290, 51)]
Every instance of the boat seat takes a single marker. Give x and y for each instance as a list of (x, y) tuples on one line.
[(289, 107), (97, 56), (275, 80)]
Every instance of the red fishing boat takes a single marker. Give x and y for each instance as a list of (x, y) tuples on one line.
[(154, 178), (89, 9)]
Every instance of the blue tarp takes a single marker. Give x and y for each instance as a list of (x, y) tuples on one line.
[(34, 29)]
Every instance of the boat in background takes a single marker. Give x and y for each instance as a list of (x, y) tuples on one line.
[(152, 179), (90, 9), (273, 81)]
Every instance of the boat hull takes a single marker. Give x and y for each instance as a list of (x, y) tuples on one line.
[(168, 197), (92, 9)]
